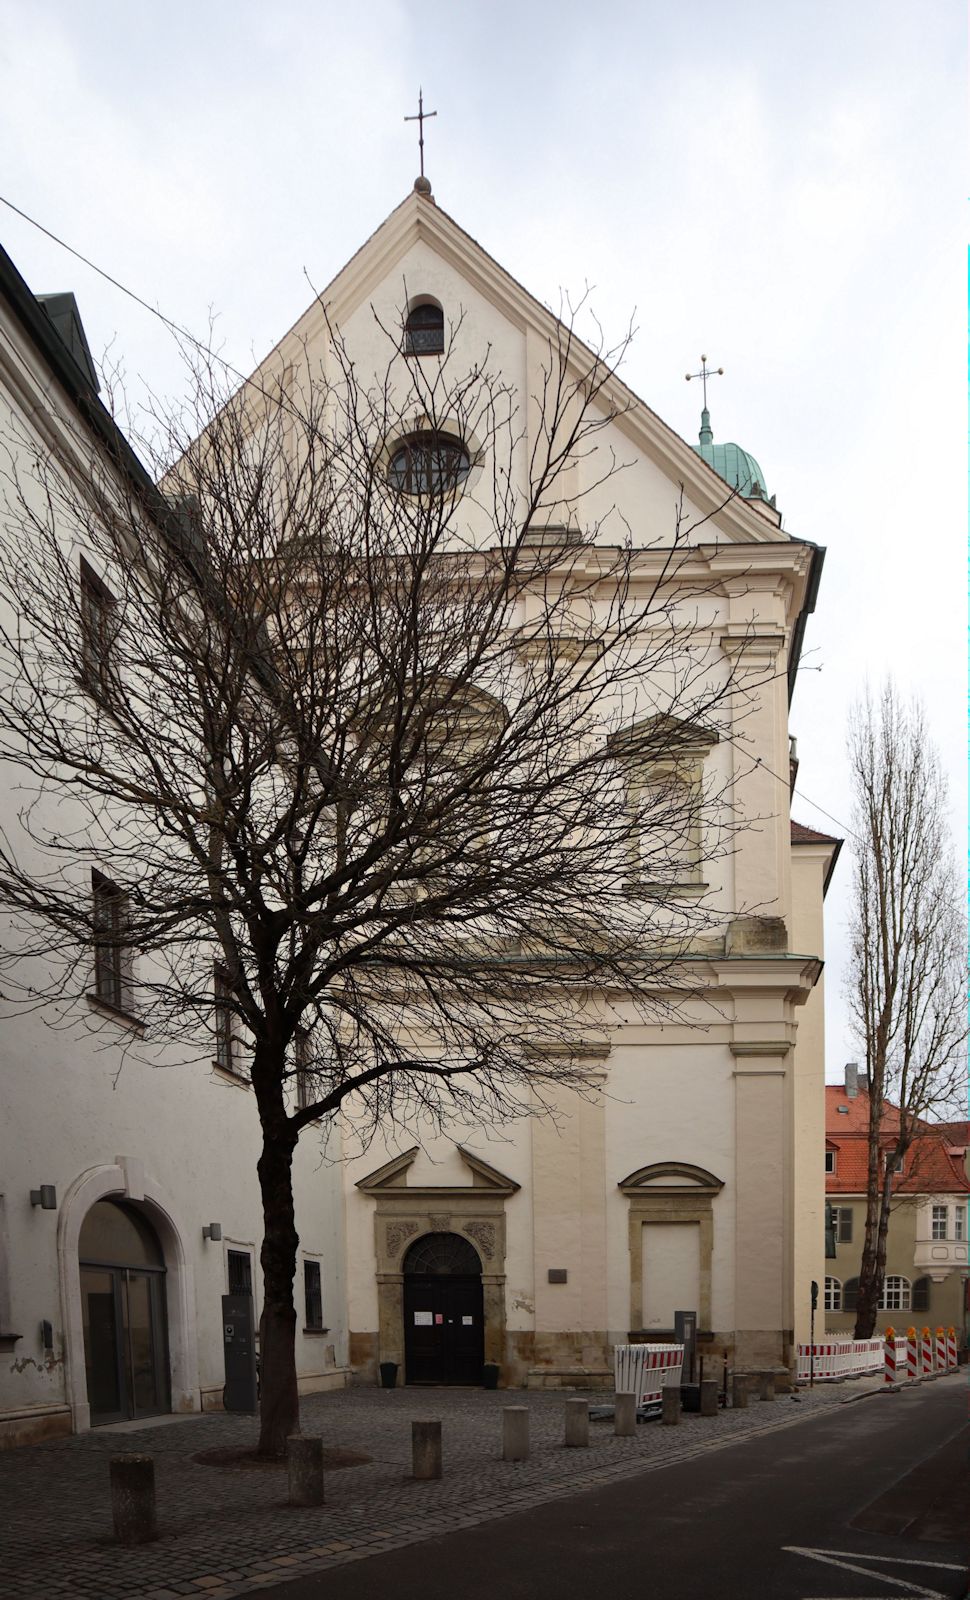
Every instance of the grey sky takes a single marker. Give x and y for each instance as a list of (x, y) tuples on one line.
[(777, 185)]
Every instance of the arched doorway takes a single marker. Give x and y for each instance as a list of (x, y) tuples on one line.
[(122, 1271), (443, 1319)]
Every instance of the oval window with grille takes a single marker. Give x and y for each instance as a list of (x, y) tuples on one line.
[(428, 462)]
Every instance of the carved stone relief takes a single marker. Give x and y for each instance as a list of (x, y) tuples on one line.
[(397, 1235), (484, 1235), (440, 1221)]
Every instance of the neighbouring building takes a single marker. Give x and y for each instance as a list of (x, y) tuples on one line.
[(926, 1254), (113, 1171)]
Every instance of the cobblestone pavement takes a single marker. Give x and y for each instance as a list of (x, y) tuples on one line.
[(226, 1531)]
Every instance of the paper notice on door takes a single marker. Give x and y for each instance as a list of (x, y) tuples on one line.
[(438, 1317), (467, 1322), (423, 1319)]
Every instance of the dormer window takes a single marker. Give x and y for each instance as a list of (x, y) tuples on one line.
[(424, 330), (428, 462)]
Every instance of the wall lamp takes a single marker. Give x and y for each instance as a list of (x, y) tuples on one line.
[(45, 1197), (213, 1231)]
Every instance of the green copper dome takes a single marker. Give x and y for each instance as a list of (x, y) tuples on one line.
[(736, 466)]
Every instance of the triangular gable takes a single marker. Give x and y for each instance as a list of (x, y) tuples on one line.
[(392, 1177), (420, 219)]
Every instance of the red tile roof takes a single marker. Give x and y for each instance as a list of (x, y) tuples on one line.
[(802, 835), (931, 1165)]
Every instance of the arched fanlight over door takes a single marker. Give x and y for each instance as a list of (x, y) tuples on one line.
[(442, 1255)]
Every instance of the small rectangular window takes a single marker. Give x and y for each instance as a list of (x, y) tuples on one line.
[(959, 1222), (225, 1056), (830, 1160), (97, 607), (111, 953), (313, 1292), (301, 1052), (938, 1229), (843, 1224)]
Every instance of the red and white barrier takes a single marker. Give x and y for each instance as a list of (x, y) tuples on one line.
[(951, 1349), (939, 1350), (839, 1358), (895, 1358), (926, 1354), (646, 1369), (912, 1357)]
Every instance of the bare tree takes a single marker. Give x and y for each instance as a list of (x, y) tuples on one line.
[(372, 716), (906, 984)]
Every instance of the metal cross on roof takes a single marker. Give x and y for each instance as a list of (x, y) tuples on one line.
[(420, 119), (705, 373)]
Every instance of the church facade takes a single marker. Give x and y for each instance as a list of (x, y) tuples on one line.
[(689, 1178)]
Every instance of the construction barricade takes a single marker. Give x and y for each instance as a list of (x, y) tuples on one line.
[(895, 1356), (939, 1351), (912, 1356), (951, 1349), (839, 1358), (926, 1367), (646, 1369)]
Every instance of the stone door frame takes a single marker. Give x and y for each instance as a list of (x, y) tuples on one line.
[(404, 1213), (671, 1191)]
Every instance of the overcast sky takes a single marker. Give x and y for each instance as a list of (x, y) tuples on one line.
[(777, 185)]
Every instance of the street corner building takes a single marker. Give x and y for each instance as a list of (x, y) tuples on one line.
[(926, 1279), (685, 1177)]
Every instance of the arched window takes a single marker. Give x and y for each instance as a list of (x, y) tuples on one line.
[(850, 1294), (428, 462), (424, 330), (895, 1295), (833, 1294)]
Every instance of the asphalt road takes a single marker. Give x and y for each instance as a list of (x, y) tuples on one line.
[(867, 1501)]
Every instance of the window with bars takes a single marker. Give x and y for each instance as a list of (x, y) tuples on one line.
[(239, 1268), (111, 952), (97, 626), (313, 1294), (939, 1222), (833, 1294), (428, 462), (896, 1295)]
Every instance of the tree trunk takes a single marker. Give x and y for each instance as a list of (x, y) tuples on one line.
[(279, 1405), (873, 1269)]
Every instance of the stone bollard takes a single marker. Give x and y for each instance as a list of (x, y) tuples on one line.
[(766, 1386), (577, 1423), (426, 1449), (625, 1416), (515, 1433), (739, 1391), (133, 1498), (709, 1397), (670, 1406), (304, 1470)]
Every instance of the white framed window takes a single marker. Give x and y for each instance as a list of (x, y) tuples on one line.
[(896, 1295), (833, 1294), (959, 1222), (830, 1160), (939, 1222), (224, 1023), (842, 1221)]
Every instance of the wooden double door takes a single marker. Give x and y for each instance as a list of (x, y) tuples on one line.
[(444, 1328)]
